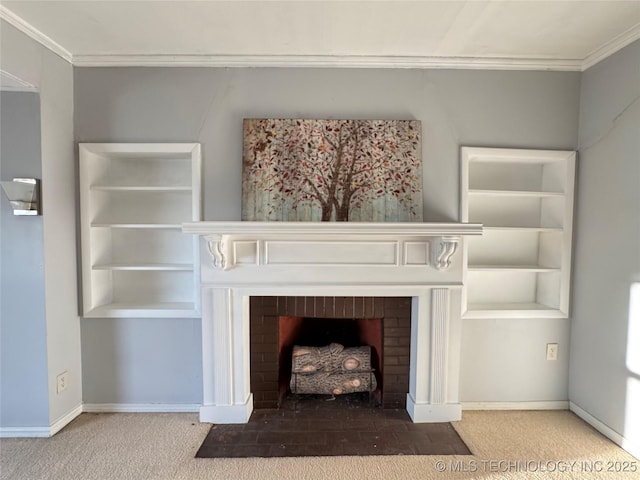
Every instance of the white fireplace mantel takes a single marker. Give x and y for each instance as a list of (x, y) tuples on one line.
[(418, 260), (269, 243)]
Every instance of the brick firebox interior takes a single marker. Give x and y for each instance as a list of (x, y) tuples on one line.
[(392, 313)]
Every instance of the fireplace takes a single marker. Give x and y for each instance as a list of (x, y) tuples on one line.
[(279, 323), (329, 268)]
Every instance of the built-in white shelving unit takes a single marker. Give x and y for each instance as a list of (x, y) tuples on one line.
[(136, 262), (521, 266)]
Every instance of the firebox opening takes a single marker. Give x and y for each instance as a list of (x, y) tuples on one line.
[(341, 316), (320, 332)]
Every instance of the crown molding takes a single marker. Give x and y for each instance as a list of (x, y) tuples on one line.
[(611, 47), (324, 61), (29, 30), (11, 83)]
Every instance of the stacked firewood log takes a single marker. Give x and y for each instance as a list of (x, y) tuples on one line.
[(333, 369)]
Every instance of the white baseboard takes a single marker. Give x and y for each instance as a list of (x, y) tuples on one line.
[(25, 432), (140, 408), (549, 405), (45, 432), (65, 420), (608, 432), (41, 432)]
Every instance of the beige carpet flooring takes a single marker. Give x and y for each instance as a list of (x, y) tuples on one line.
[(506, 446)]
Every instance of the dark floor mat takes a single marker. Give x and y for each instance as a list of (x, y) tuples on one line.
[(317, 426)]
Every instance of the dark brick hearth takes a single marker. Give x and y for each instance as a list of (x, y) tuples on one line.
[(395, 315)]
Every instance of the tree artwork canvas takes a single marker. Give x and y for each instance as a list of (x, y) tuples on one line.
[(332, 170)]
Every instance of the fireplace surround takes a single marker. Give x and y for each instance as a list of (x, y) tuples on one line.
[(241, 260)]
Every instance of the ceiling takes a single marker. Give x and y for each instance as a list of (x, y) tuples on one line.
[(507, 34)]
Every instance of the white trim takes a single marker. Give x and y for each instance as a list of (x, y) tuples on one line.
[(429, 413), (65, 420), (46, 432), (30, 31), (611, 47), (329, 61), (439, 343), (140, 407), (24, 432), (547, 405), (626, 444), (227, 414), (17, 84), (41, 432)]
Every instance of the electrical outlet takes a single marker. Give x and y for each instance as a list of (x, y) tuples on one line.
[(63, 382), (552, 351)]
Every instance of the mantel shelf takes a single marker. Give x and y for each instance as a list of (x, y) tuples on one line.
[(315, 229)]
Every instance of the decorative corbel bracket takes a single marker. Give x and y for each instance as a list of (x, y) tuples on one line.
[(444, 250), (218, 247)]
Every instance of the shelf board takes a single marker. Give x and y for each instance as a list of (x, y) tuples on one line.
[(514, 193), (511, 268), (141, 188), (512, 310), (159, 226), (169, 267), (126, 310)]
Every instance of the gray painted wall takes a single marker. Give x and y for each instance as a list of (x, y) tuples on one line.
[(607, 251), (139, 360), (23, 339), (52, 76), (207, 105)]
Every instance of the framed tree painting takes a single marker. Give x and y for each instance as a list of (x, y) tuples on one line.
[(332, 170)]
